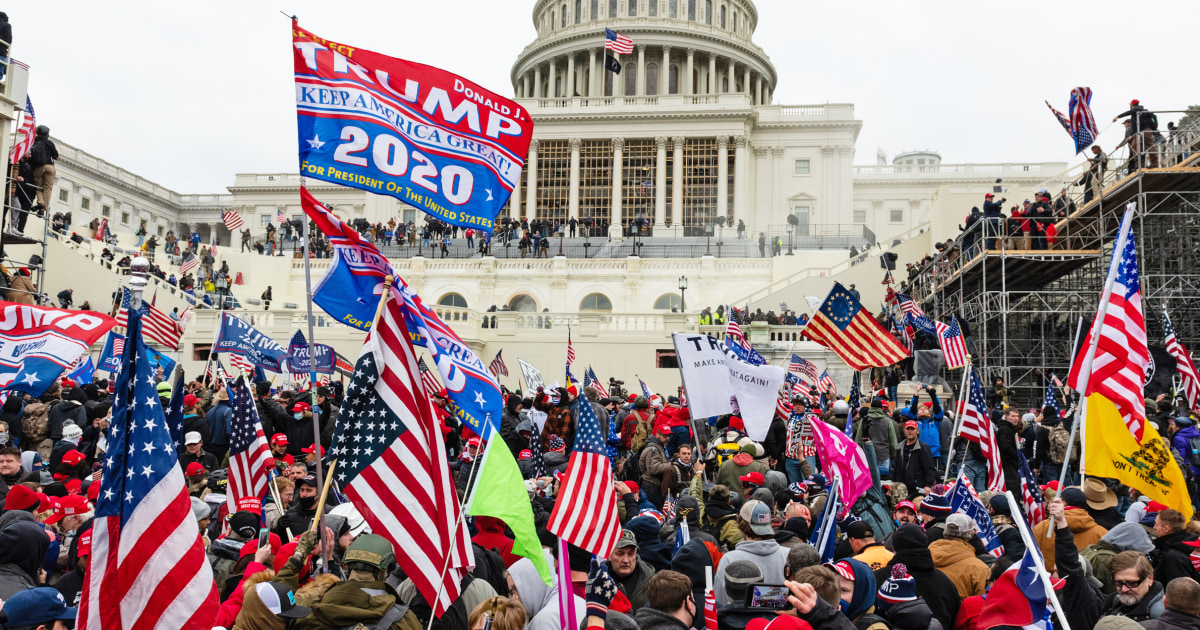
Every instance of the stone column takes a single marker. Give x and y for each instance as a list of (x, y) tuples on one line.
[(722, 175), (551, 90), (569, 84), (664, 71), (677, 185), (746, 80), (514, 201), (591, 86), (640, 84), (739, 179), (614, 228), (759, 91), (525, 93), (573, 196), (531, 186), (660, 183), (732, 74), (712, 75), (537, 82), (778, 199), (691, 89)]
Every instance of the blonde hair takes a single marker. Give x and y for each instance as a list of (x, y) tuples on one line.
[(507, 614)]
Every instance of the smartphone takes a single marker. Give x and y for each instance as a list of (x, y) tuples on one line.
[(772, 596), (264, 537)]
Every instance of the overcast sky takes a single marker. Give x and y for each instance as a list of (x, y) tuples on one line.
[(189, 95)]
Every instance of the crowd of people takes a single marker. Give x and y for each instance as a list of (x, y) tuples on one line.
[(902, 558)]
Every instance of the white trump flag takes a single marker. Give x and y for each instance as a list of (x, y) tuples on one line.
[(712, 378)]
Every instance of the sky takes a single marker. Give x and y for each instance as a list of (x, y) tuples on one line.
[(189, 94)]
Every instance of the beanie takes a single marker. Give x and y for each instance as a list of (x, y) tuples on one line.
[(897, 589), (935, 505)]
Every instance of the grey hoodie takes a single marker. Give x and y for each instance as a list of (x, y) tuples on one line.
[(767, 554), (1129, 537), (540, 600)]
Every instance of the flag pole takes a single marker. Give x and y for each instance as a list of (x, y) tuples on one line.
[(691, 418), (1085, 371), (963, 395), (1043, 576)]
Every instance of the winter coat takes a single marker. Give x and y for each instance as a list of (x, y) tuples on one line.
[(1181, 444), (540, 600), (653, 463), (1087, 603), (23, 545), (1173, 620), (20, 290), (1006, 440), (928, 427), (71, 411), (653, 619), (633, 585), (882, 433), (1084, 530), (956, 558), (767, 554), (914, 467), (273, 419), (508, 432), (1172, 557), (1123, 537), (730, 473), (218, 422)]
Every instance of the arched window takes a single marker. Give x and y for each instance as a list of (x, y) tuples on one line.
[(722, 16), (668, 302), (708, 11), (651, 79), (630, 79), (523, 304), (453, 299), (631, 8), (673, 80), (596, 302), (564, 15), (725, 84)]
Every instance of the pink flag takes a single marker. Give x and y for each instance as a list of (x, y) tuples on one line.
[(842, 456), (566, 594)]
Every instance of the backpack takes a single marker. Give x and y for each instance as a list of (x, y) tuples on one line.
[(873, 509), (1194, 451), (1059, 437), (725, 451), (36, 423), (632, 470)]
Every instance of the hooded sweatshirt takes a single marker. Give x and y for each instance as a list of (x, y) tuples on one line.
[(693, 559), (1082, 526), (656, 553), (540, 600), (767, 554), (956, 558), (23, 545), (1123, 537)]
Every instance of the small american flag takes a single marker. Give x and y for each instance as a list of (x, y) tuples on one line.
[(901, 333), (233, 221), (1119, 367), (248, 451), (535, 449), (977, 427), (118, 346), (733, 331), (241, 362), (1083, 124), (585, 513), (570, 350), (590, 380), (280, 217), (800, 365), (25, 134), (827, 385), (909, 305), (1031, 495), (617, 42), (155, 324), (1051, 400), (189, 263), (497, 365), (1183, 364), (1056, 381), (216, 370), (392, 463), (147, 566), (953, 346), (855, 401), (669, 507), (429, 380)]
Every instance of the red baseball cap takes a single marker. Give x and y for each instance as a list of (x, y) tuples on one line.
[(93, 492), (313, 449), (782, 622), (525, 453), (755, 478), (1053, 485), (74, 486), (73, 457), (289, 460), (301, 406), (905, 504), (911, 424), (988, 195), (72, 505), (194, 469), (85, 544), (279, 439), (190, 400)]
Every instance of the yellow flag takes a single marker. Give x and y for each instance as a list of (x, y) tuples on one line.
[(1149, 467)]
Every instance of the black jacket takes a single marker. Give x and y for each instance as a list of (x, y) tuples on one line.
[(932, 585), (1006, 440), (65, 411), (1171, 557), (914, 467), (1173, 620), (272, 416)]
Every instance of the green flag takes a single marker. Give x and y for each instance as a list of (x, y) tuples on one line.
[(500, 492)]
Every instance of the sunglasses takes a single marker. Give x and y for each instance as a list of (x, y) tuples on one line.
[(1120, 584)]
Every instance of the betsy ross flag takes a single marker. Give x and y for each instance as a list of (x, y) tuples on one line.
[(429, 380), (497, 365), (585, 513), (155, 324), (801, 366), (844, 326), (977, 427), (25, 135), (233, 221), (391, 463), (148, 567), (954, 347), (1183, 364), (248, 451), (617, 42), (1119, 367)]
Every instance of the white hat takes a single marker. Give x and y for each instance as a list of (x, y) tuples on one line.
[(191, 437), (71, 430)]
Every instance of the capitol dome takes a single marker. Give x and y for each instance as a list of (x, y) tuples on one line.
[(688, 47)]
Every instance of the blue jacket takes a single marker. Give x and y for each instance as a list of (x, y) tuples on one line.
[(1180, 445), (218, 422), (929, 428)]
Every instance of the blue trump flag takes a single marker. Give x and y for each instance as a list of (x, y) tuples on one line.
[(744, 353), (238, 337), (297, 356), (964, 500), (110, 357), (83, 372), (160, 360), (824, 531)]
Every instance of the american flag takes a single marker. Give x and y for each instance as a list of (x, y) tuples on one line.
[(645, 389), (901, 333), (535, 448), (1183, 364), (585, 513), (101, 233), (1056, 381), (826, 383), (497, 365), (241, 362), (590, 380), (855, 402), (233, 221), (954, 347), (392, 462), (248, 451), (155, 324), (1031, 495), (1083, 124), (800, 365), (617, 42), (783, 406), (280, 217), (909, 305), (977, 427), (118, 346), (148, 568), (1121, 358), (216, 370), (570, 350), (844, 326), (668, 508), (1062, 120), (190, 262), (25, 134), (734, 332), (429, 380), (1051, 400)]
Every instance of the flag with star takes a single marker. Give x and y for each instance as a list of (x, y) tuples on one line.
[(844, 326), (148, 567), (175, 413), (392, 462), (248, 451), (1018, 598), (535, 450)]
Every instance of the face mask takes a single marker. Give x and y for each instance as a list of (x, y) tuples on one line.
[(306, 503), (299, 415), (74, 441), (3, 438)]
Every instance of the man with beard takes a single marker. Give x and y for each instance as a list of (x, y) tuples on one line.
[(905, 513)]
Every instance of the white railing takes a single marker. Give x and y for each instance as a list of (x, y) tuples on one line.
[(971, 170)]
